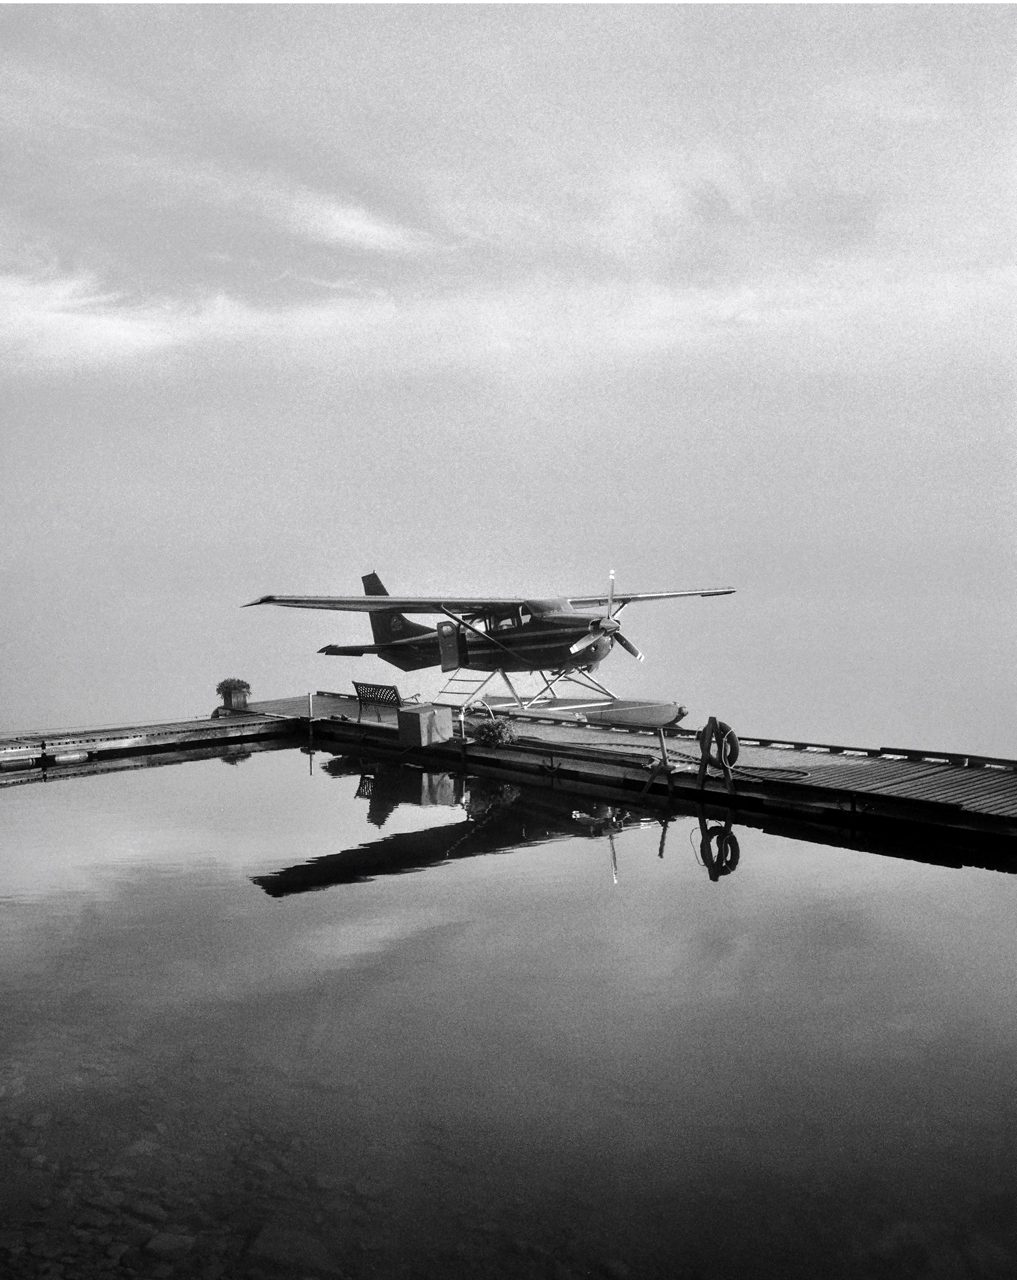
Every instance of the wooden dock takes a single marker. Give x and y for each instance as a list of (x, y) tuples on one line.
[(58, 752), (772, 777)]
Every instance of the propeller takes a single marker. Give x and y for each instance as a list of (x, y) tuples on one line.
[(609, 626)]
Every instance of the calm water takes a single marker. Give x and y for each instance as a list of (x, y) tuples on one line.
[(513, 1055)]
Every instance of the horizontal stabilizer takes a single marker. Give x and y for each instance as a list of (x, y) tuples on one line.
[(362, 650)]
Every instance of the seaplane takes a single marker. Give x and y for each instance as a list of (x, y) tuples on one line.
[(556, 638)]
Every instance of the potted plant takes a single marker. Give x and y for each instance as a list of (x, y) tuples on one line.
[(233, 693), (494, 733)]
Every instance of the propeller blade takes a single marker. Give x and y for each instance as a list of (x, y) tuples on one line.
[(610, 595), (585, 642), (628, 646)]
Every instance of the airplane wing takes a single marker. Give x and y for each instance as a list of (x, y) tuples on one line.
[(468, 605), (623, 598)]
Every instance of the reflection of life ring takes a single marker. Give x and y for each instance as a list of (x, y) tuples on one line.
[(728, 744), (727, 855)]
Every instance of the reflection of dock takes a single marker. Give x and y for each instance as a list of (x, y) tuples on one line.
[(773, 779), (232, 752), (65, 752), (834, 784), (500, 817)]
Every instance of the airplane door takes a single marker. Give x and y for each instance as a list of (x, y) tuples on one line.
[(451, 646)]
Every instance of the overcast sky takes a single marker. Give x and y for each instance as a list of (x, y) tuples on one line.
[(493, 299)]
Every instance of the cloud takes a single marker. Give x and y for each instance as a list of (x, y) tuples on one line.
[(651, 212), (550, 319), (701, 215), (670, 208), (54, 321), (311, 215), (117, 146), (327, 222), (840, 312)]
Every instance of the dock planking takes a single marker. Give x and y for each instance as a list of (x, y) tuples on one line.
[(559, 748), (930, 789), (56, 749)]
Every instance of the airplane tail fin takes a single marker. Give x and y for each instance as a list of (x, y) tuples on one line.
[(389, 626)]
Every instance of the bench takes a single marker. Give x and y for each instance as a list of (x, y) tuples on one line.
[(376, 695)]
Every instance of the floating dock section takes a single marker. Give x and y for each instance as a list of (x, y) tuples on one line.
[(771, 775), (27, 757), (554, 746)]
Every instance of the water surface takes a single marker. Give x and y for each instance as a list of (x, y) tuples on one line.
[(528, 1046)]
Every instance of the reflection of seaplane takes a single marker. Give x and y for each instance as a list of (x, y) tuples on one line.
[(564, 637), (498, 817)]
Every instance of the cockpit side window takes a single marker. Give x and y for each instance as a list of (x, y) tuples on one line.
[(503, 621)]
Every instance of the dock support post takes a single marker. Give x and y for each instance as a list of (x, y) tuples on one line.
[(310, 731), (665, 759), (705, 738)]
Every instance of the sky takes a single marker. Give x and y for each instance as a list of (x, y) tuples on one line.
[(491, 300)]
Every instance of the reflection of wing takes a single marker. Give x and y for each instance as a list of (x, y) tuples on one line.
[(407, 604), (621, 597)]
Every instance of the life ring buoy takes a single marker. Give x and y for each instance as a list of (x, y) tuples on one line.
[(728, 852), (728, 745)]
